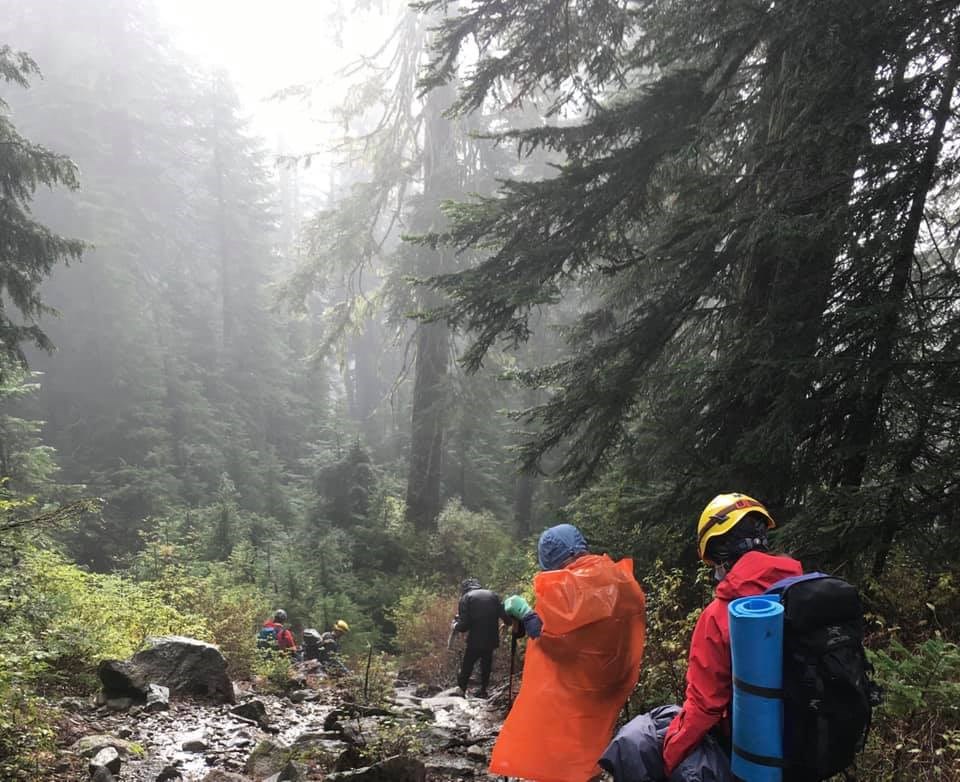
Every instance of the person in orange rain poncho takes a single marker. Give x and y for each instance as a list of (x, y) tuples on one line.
[(582, 663)]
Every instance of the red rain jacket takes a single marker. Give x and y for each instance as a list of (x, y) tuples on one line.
[(285, 639), (709, 676)]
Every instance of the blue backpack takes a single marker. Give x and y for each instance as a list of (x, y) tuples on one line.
[(267, 638)]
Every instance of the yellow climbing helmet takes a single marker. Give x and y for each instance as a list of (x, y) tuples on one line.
[(342, 626), (722, 514)]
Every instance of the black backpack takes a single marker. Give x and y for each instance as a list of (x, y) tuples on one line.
[(828, 697)]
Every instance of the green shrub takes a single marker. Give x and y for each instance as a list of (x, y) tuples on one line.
[(422, 619), (916, 731), (393, 738), (233, 616), (26, 734), (273, 670), (372, 677), (670, 626), (467, 543)]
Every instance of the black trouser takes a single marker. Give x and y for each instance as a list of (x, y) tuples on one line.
[(470, 656)]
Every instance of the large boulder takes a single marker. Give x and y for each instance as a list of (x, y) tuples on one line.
[(121, 679), (186, 666)]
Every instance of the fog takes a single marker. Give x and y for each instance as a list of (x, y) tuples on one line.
[(337, 302)]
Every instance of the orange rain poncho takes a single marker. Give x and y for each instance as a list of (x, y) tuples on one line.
[(577, 675)]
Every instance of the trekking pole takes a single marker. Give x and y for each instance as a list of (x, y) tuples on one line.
[(366, 676), (513, 663)]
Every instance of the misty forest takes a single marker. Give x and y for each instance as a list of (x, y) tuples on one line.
[(477, 268)]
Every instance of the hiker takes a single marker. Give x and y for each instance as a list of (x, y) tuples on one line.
[(330, 640), (478, 615), (273, 634), (328, 651), (732, 537), (581, 664)]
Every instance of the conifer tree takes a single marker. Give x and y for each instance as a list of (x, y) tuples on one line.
[(28, 250), (745, 197)]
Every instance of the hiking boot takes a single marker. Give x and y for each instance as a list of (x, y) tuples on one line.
[(481, 693)]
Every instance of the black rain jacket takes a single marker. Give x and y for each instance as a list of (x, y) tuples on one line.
[(479, 616)]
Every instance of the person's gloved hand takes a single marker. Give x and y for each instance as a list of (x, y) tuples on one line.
[(518, 608), (532, 625)]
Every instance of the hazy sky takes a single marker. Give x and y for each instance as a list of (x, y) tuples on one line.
[(268, 46)]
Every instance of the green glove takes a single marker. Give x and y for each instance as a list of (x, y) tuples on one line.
[(517, 607)]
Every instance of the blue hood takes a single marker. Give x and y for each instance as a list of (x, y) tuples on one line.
[(558, 544)]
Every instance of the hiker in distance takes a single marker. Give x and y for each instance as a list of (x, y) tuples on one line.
[(478, 615), (274, 635)]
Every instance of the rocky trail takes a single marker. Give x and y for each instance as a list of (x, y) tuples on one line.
[(313, 732)]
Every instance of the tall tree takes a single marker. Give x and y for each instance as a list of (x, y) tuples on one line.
[(730, 197), (28, 250)]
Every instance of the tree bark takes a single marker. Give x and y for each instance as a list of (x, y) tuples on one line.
[(428, 422)]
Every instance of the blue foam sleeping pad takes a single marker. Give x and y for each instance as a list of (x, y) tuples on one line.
[(756, 649)]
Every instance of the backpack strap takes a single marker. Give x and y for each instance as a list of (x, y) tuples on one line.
[(785, 583)]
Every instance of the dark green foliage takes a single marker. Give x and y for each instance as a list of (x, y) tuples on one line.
[(757, 200), (28, 250)]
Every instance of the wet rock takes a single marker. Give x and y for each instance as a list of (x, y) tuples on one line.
[(349, 711), (301, 696), (477, 753), (158, 698), (254, 711), (292, 772), (450, 766), (436, 738), (267, 758), (316, 737), (217, 775), (240, 740), (88, 746), (186, 666), (195, 742), (107, 758), (348, 760), (120, 678), (332, 721), (102, 774), (169, 774), (395, 769), (352, 735)]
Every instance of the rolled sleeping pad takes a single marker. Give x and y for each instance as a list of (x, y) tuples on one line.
[(756, 650)]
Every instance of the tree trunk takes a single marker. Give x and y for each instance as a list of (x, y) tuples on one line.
[(430, 393)]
